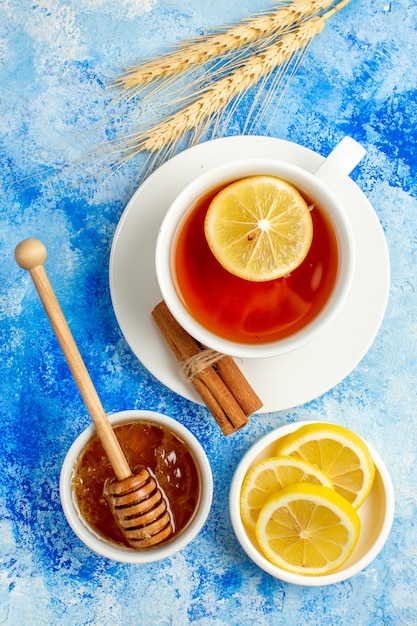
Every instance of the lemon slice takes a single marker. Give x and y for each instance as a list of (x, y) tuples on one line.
[(259, 228), (339, 453), (308, 529), (271, 475)]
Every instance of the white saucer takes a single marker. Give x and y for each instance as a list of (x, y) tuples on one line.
[(281, 382)]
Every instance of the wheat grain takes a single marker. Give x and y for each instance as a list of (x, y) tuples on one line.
[(161, 139), (202, 110), (264, 28)]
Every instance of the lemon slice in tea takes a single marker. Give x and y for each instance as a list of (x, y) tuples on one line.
[(308, 529), (259, 228)]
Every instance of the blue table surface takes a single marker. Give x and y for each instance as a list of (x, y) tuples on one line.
[(57, 61)]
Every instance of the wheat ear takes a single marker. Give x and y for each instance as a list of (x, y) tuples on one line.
[(201, 50), (208, 105)]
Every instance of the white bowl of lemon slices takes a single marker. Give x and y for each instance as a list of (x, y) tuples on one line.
[(312, 503)]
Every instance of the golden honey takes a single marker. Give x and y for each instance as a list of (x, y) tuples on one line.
[(149, 445)]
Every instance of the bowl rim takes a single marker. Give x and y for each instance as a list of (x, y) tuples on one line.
[(233, 169), (99, 544), (297, 579)]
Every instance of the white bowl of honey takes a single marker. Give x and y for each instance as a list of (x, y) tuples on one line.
[(174, 456)]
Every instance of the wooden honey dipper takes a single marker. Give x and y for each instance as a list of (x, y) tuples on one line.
[(135, 499)]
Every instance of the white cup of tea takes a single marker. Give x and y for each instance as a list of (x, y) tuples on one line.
[(269, 318)]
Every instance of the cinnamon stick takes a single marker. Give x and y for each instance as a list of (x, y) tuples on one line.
[(230, 373), (222, 386)]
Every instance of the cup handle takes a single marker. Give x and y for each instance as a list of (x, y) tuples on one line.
[(341, 161)]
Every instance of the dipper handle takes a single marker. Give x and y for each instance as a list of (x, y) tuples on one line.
[(31, 255)]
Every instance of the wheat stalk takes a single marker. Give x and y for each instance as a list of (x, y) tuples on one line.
[(263, 28), (288, 39), (202, 110)]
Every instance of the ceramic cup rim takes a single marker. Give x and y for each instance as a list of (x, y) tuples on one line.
[(357, 561), (100, 545), (232, 170)]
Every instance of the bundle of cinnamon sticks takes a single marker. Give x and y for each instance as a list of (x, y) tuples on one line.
[(221, 385)]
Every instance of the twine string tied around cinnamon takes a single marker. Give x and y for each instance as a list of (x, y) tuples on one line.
[(197, 363)]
